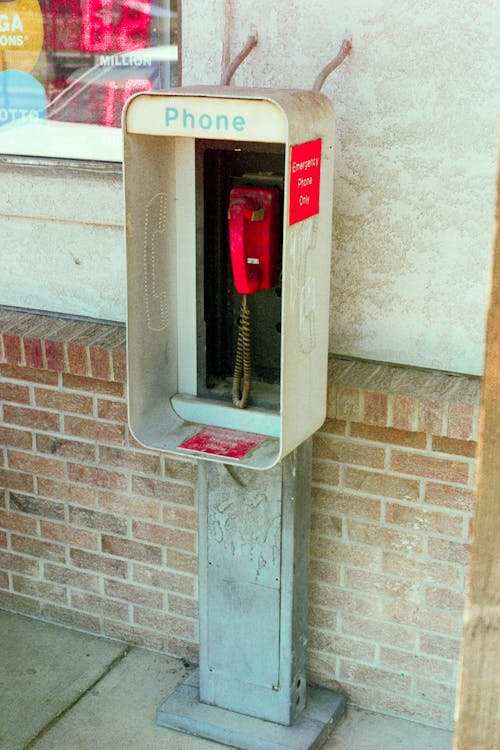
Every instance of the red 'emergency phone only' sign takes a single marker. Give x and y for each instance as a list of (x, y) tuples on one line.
[(305, 168)]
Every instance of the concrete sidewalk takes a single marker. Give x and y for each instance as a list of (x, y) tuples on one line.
[(65, 690)]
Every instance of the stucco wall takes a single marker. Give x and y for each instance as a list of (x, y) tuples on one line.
[(415, 161), (414, 188)]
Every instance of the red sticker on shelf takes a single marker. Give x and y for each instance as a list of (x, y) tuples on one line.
[(219, 441), (305, 169)]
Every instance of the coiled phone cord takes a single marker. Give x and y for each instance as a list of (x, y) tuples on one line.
[(242, 365)]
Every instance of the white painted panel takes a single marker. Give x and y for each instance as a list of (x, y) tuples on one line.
[(71, 268)]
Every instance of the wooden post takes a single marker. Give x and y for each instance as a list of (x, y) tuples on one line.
[(478, 698)]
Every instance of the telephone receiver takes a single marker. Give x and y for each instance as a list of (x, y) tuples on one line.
[(254, 235)]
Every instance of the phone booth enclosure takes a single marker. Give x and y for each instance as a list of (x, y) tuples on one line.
[(186, 152)]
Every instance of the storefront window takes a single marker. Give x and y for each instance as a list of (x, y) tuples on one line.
[(68, 66)]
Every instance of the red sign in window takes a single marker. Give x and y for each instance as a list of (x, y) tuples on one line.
[(305, 169)]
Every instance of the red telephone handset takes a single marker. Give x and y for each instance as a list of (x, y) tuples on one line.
[(254, 231)]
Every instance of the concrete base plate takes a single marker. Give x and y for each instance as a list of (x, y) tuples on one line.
[(183, 711)]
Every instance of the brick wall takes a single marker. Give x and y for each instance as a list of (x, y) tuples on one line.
[(100, 534)]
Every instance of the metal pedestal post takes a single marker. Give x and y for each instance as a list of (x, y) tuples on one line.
[(250, 690)]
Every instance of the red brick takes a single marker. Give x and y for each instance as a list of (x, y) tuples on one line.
[(181, 605), (384, 537), (388, 435), (184, 649), (40, 589), (63, 401), (379, 632), (416, 664), (455, 447), (421, 519), (93, 429), (348, 452), (334, 427), (152, 618), (67, 491), (179, 470), (99, 563), (54, 355), (14, 438), (4, 580), (440, 645), (387, 680), (17, 522), (375, 411), (130, 506), (111, 480), (134, 634), (61, 532), (119, 365), (337, 598), (95, 519), (3, 539), (71, 618), (428, 466), (326, 525), (14, 392), (114, 411), (145, 463), (449, 551), (325, 472), (33, 352), (26, 374), (19, 563), (332, 643), (18, 603), (38, 548), (444, 598), (14, 480), (434, 692), (91, 385), (135, 594), (99, 605), (163, 490), (342, 552), (325, 570), (63, 448), (449, 496), (460, 421), (430, 571), (166, 580), (364, 580), (430, 416), (34, 418), (37, 506), (74, 578), (180, 517), (78, 362), (347, 404), (183, 561), (404, 412), (164, 535), (372, 483), (12, 348), (100, 363), (131, 550), (35, 464), (329, 501), (421, 617)]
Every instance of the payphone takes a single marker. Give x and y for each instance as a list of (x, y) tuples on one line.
[(228, 192), (228, 224)]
